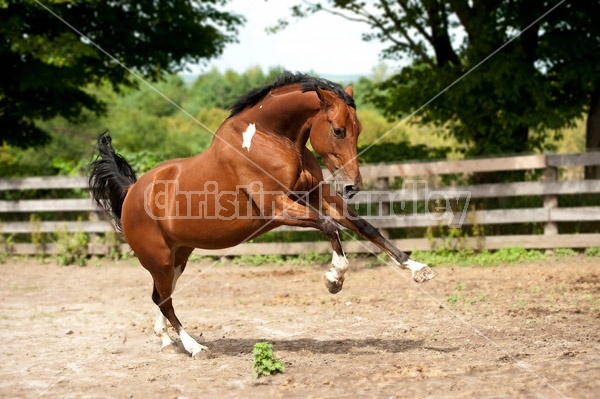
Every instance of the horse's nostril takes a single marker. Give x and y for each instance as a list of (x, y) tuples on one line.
[(349, 190)]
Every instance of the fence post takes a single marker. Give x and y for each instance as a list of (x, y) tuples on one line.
[(383, 207), (550, 201)]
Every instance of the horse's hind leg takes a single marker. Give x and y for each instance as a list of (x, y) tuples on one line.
[(160, 326), (164, 276)]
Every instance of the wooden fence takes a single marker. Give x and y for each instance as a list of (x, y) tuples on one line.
[(550, 214)]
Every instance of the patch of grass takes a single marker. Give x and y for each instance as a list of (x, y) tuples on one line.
[(483, 258), (264, 361), (37, 238), (564, 252), (7, 242), (311, 258), (455, 298), (460, 286), (71, 247), (113, 244), (509, 255), (594, 251), (442, 256), (259, 260)]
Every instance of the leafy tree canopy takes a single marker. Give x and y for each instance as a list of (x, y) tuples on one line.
[(542, 73), (46, 65)]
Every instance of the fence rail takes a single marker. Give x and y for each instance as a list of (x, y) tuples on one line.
[(550, 214)]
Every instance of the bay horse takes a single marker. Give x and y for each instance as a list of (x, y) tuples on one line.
[(256, 175)]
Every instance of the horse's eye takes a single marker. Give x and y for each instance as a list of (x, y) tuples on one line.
[(339, 132)]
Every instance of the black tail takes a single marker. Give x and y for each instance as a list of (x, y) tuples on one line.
[(110, 178)]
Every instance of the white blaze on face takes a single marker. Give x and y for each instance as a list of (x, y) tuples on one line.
[(247, 136)]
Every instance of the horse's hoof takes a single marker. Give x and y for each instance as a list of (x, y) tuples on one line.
[(334, 286), (424, 274), (200, 354)]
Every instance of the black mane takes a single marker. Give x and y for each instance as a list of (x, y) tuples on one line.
[(309, 83)]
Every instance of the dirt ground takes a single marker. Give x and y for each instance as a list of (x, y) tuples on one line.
[(518, 331)]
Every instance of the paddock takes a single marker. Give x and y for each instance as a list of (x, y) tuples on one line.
[(528, 330)]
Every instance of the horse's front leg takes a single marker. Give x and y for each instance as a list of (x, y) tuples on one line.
[(334, 278), (292, 213), (347, 218)]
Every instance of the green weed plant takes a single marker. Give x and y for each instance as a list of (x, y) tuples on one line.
[(265, 362)]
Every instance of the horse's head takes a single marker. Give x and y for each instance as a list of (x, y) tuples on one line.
[(334, 136)]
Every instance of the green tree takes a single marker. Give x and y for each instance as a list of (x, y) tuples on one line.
[(46, 65), (221, 90), (539, 82)]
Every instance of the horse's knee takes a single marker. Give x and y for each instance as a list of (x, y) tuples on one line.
[(328, 227)]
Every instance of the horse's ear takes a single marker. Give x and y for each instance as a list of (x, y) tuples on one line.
[(325, 97), (349, 91)]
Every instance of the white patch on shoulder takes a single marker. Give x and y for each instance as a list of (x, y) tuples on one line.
[(247, 136)]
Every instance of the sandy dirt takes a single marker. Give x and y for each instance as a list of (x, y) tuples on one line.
[(518, 331)]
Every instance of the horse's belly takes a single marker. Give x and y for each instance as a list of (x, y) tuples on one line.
[(216, 234)]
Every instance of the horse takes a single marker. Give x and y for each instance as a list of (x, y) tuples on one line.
[(256, 175)]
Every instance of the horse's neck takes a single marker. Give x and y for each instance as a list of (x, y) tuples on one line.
[(286, 114)]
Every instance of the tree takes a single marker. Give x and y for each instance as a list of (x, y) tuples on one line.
[(221, 90), (47, 66), (574, 64), (536, 83)]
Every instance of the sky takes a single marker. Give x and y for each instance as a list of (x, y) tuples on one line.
[(322, 43)]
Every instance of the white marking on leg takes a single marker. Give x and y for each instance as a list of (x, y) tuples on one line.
[(420, 271), (340, 262), (340, 266), (413, 266), (160, 329), (247, 136), (190, 344)]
